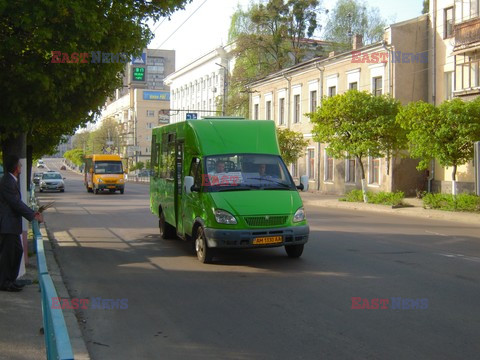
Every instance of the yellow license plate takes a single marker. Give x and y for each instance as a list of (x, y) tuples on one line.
[(267, 240), (111, 187)]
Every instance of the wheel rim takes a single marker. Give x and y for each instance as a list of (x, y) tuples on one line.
[(200, 244)]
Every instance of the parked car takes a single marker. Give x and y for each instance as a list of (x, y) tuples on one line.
[(36, 177), (40, 163), (1, 171), (52, 180)]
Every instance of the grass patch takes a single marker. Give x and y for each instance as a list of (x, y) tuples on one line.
[(382, 197), (448, 202)]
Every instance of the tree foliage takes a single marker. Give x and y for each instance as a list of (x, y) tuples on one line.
[(426, 6), (47, 100), (76, 156), (350, 17), (358, 124), (446, 133), (268, 37), (292, 145)]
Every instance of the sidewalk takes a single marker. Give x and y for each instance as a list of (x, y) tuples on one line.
[(21, 319), (414, 208)]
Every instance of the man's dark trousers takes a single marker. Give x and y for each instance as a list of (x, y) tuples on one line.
[(10, 258)]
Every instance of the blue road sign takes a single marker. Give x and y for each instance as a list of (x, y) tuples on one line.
[(191, 116)]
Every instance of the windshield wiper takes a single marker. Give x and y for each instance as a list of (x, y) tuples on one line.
[(274, 181), (235, 188)]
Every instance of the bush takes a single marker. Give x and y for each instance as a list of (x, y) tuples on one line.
[(462, 202), (383, 198)]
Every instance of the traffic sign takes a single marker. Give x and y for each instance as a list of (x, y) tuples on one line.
[(191, 116)]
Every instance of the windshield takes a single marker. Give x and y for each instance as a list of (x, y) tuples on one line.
[(50, 176), (108, 167), (246, 172)]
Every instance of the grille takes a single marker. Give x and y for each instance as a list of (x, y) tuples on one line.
[(265, 220)]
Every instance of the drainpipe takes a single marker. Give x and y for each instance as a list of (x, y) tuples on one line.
[(434, 54), (288, 100), (389, 49), (320, 92)]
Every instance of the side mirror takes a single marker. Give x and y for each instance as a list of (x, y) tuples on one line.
[(188, 184), (64, 178), (303, 183)]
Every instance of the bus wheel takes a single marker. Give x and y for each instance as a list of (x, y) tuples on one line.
[(167, 231), (294, 251), (204, 253), (95, 190), (122, 191)]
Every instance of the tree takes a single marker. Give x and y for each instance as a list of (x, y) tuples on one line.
[(268, 37), (350, 17), (76, 156), (426, 6), (446, 133), (41, 96), (358, 124), (292, 145)]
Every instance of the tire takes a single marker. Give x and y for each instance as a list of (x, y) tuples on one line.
[(95, 190), (41, 190), (167, 231), (122, 191), (89, 189), (111, 191), (63, 190), (294, 251), (204, 253)]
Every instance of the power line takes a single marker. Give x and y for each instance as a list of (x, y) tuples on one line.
[(182, 24)]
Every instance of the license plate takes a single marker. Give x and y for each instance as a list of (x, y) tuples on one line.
[(111, 187), (267, 240)]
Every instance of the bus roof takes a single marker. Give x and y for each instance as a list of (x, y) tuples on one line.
[(214, 136), (104, 157)]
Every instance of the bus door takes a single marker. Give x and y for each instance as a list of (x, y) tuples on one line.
[(179, 185)]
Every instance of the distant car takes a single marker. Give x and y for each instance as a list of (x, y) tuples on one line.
[(36, 177), (52, 180), (40, 162), (63, 167), (144, 173), (41, 166)]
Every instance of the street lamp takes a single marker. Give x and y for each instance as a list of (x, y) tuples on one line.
[(225, 84)]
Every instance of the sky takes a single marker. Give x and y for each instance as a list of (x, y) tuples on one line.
[(203, 25)]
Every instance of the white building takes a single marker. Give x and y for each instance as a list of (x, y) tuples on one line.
[(201, 86)]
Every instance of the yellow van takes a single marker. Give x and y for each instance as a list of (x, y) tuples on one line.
[(104, 172)]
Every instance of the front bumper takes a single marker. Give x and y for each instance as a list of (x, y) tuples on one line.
[(110, 186), (52, 187), (221, 238)]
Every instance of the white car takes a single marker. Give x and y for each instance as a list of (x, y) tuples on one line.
[(40, 164), (52, 180)]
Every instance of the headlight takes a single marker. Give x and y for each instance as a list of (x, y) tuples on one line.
[(224, 217), (100, 180), (299, 215), (42, 182), (120, 180)]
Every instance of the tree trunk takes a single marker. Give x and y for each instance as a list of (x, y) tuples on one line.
[(364, 182), (29, 164), (454, 182)]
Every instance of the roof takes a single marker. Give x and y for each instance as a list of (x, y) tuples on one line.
[(97, 157)]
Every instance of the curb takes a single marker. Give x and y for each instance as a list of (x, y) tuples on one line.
[(79, 346), (411, 211)]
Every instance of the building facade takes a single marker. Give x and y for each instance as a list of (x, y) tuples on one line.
[(454, 40), (141, 104), (396, 66), (200, 88)]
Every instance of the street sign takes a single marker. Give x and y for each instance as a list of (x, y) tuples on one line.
[(138, 73), (191, 116)]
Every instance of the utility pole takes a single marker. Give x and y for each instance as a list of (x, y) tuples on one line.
[(225, 86)]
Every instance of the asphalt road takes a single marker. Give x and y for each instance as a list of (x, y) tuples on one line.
[(260, 304)]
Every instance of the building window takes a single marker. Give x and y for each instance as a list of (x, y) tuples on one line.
[(448, 85), (311, 163), (353, 86), (377, 86), (149, 125), (448, 22), (150, 113), (350, 169), (268, 110), (374, 172), (295, 169), (332, 91), (255, 112), (296, 108), (328, 167), (465, 10), (466, 73), (313, 100), (281, 112)]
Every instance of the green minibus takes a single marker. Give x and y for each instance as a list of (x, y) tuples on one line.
[(222, 183)]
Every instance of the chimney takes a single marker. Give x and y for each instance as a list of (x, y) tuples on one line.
[(357, 41)]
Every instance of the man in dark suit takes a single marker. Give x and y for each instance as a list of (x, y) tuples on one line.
[(12, 209)]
